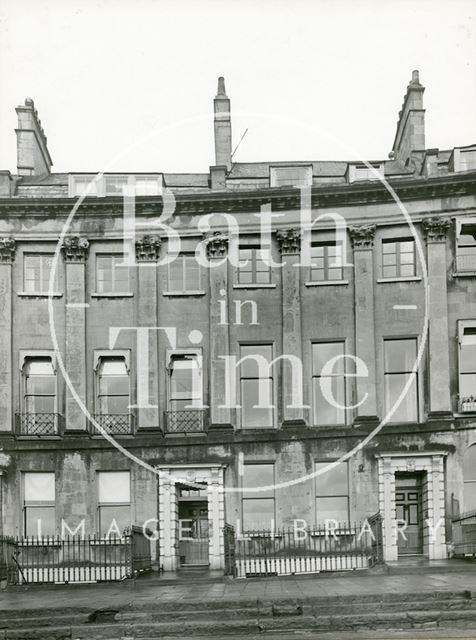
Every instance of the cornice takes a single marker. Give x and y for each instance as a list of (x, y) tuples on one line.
[(251, 201)]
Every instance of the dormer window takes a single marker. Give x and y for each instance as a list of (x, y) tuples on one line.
[(290, 176)]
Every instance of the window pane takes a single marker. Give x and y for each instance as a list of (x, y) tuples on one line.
[(176, 282), (400, 355), (467, 385), (39, 521), (389, 247), (115, 184), (325, 412), (407, 246), (181, 382), (114, 385), (39, 366), (147, 186), (114, 519), (258, 514), (467, 361), (113, 366), (332, 509), (113, 486), (390, 272), (253, 416), (389, 259), (41, 385), (408, 408), (323, 352), (333, 482), (39, 486), (407, 270), (192, 273), (258, 475), (40, 404), (250, 367), (114, 405)]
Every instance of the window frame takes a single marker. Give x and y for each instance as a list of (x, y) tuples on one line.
[(101, 358), (36, 504), (184, 256), (464, 325), (398, 261), (327, 259), (417, 380), (100, 504), (179, 354), (25, 358), (343, 342), (272, 378), (41, 255), (336, 495), (305, 181), (112, 291), (262, 495), (240, 270), (459, 224)]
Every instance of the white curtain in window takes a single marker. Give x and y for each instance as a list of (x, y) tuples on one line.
[(114, 486)]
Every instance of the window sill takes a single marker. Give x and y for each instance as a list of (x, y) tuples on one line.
[(113, 294), (464, 274), (399, 279), (324, 283), (184, 294), (254, 286), (39, 294)]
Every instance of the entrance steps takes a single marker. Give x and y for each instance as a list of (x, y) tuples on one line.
[(215, 618)]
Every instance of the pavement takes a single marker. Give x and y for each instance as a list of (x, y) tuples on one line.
[(152, 589)]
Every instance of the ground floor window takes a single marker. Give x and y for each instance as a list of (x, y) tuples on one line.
[(469, 476), (332, 493), (39, 504), (258, 506), (114, 502)]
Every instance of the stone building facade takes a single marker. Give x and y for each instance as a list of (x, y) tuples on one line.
[(86, 300)]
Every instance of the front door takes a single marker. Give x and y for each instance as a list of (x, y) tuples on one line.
[(193, 533), (408, 501)]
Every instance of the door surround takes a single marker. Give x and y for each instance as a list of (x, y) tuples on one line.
[(433, 498), (171, 475)]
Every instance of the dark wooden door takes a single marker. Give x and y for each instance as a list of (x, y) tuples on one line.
[(193, 533), (408, 501)]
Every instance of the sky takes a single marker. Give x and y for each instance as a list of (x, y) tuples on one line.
[(128, 85)]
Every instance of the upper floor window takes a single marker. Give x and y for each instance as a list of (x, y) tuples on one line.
[(256, 385), (399, 358), (113, 386), (332, 493), (326, 261), (291, 176), (185, 383), (39, 386), (39, 504), (114, 184), (254, 265), (184, 273), (36, 272), (83, 186), (328, 382), (361, 171), (258, 506), (114, 502), (112, 275), (398, 258), (466, 246), (467, 366)]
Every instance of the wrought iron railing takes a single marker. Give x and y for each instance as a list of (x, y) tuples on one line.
[(115, 424), (289, 551), (58, 559), (467, 405), (185, 421), (464, 534), (38, 424)]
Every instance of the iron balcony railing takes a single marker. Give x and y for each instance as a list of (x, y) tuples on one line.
[(38, 424), (467, 405), (185, 421), (114, 424)]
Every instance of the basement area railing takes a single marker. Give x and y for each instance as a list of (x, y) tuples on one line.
[(464, 535), (288, 551), (64, 560)]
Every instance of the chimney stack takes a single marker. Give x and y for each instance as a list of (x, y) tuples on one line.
[(410, 135), (222, 122), (33, 158)]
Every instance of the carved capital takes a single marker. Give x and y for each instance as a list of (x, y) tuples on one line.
[(75, 249), (363, 236), (289, 241), (7, 250), (217, 245), (436, 228), (148, 248)]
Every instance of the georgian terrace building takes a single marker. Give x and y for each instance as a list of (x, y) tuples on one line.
[(363, 294)]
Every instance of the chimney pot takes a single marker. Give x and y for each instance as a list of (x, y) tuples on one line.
[(221, 87), (415, 77)]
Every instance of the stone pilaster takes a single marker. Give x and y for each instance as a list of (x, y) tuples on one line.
[(363, 241), (7, 257), (436, 230), (147, 254), (217, 249), (289, 241), (75, 251)]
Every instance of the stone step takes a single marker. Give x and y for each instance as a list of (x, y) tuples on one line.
[(220, 628)]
